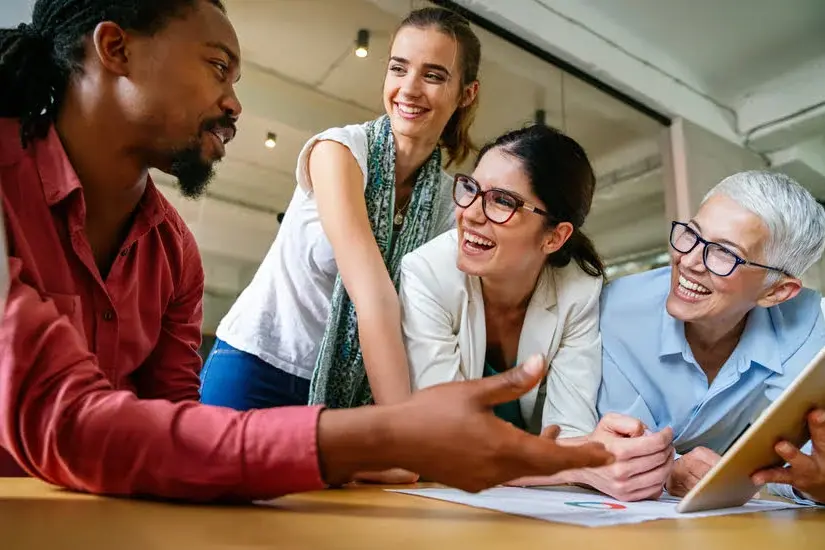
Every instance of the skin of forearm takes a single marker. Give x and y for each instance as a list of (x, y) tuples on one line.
[(385, 359), (352, 441)]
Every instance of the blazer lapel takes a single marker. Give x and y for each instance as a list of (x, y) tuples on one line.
[(537, 334), (473, 336)]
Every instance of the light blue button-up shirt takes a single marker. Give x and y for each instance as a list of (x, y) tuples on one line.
[(649, 371)]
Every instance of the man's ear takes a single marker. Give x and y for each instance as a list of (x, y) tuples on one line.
[(556, 238), (110, 45), (781, 291)]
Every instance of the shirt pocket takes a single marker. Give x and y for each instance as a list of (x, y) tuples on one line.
[(70, 306)]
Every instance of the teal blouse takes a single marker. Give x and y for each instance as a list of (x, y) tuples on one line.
[(510, 411)]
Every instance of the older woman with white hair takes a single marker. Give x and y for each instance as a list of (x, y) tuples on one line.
[(698, 349)]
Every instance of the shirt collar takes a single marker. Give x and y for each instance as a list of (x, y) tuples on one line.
[(758, 344), (59, 180), (672, 335), (56, 172)]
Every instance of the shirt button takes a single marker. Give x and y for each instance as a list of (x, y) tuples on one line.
[(108, 315), (124, 252)]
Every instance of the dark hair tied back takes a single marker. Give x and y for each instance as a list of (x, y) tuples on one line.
[(29, 75), (561, 176)]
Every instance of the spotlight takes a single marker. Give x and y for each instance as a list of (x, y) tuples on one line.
[(362, 43), (271, 138)]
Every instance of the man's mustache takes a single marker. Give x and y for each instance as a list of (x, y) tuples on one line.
[(226, 121)]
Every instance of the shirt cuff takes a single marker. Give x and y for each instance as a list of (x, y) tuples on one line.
[(282, 451), (789, 493)]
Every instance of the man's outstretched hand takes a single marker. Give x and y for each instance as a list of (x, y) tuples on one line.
[(449, 434)]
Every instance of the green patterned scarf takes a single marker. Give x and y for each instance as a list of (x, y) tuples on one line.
[(339, 379)]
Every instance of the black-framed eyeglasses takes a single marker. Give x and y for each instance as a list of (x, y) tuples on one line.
[(498, 205), (718, 259)]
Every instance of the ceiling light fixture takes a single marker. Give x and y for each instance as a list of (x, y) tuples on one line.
[(271, 139), (362, 43)]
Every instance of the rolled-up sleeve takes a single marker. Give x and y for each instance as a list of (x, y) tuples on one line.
[(62, 421)]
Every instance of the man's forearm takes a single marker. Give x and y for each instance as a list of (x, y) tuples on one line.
[(354, 440)]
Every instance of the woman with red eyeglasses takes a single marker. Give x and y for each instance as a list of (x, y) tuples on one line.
[(516, 277)]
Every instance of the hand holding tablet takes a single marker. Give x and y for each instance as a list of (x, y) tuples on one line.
[(730, 482), (806, 473)]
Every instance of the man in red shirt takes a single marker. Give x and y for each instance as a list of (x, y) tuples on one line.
[(98, 346)]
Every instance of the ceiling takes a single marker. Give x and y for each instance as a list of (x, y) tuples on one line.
[(730, 46), (308, 46), (300, 76)]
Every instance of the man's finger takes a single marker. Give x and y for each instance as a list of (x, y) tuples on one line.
[(394, 476), (510, 385), (531, 481), (550, 457)]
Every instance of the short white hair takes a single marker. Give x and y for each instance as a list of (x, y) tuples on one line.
[(795, 220)]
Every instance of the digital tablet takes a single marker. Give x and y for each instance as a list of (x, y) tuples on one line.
[(728, 483)]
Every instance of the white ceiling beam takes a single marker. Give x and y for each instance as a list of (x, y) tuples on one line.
[(273, 96), (787, 109), (585, 38), (805, 162), (627, 155)]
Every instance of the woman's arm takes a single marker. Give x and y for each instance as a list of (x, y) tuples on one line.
[(338, 187)]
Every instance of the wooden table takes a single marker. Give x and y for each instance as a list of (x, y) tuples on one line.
[(34, 515)]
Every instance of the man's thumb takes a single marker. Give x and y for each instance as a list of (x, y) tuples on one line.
[(512, 384)]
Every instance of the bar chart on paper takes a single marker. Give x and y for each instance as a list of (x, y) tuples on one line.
[(577, 507)]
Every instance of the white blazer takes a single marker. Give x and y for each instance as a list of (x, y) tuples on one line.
[(442, 312)]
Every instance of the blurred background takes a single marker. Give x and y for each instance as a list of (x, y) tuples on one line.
[(666, 97)]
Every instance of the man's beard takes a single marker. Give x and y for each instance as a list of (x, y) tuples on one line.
[(194, 172)]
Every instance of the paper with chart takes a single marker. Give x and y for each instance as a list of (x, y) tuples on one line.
[(581, 507)]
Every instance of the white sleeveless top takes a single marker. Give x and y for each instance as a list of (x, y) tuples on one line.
[(281, 316)]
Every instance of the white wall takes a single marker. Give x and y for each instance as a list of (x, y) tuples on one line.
[(695, 160)]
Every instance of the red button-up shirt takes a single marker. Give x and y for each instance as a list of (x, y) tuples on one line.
[(99, 377)]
